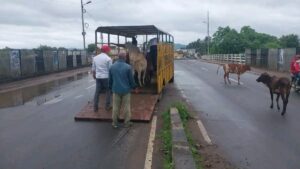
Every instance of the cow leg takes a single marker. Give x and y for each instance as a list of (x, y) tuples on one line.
[(225, 78), (238, 79), (139, 77), (277, 98), (285, 101), (144, 76), (228, 78), (271, 93)]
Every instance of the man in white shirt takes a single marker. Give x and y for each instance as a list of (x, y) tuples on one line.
[(100, 69)]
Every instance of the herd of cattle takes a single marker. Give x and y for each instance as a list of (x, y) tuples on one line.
[(280, 86)]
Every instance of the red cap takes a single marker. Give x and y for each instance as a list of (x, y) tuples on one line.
[(105, 49)]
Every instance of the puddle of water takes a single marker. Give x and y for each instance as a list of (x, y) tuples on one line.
[(21, 96)]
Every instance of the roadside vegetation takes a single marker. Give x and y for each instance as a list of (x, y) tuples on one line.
[(227, 40), (185, 117), (166, 137)]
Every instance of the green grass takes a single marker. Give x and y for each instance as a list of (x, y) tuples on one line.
[(166, 137), (185, 116)]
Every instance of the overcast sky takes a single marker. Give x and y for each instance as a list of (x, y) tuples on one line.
[(27, 24)]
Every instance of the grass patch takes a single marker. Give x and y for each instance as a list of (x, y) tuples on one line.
[(185, 116), (166, 137)]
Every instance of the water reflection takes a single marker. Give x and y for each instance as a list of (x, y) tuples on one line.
[(23, 95)]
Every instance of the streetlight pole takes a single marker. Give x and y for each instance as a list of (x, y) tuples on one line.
[(82, 19), (208, 38)]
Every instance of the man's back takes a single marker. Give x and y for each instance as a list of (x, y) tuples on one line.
[(101, 64), (120, 77)]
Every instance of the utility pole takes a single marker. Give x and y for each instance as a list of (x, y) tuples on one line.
[(208, 38), (82, 19), (83, 31)]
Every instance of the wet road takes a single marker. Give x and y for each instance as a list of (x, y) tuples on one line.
[(41, 131), (238, 118)]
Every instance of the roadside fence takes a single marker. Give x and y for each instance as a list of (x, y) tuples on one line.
[(17, 64), (272, 59)]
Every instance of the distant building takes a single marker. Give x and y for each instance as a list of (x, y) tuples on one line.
[(187, 52)]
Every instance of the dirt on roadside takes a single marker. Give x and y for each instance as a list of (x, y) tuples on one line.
[(212, 158)]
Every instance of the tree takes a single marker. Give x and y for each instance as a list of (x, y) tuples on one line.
[(199, 45), (62, 48), (226, 40), (271, 45), (289, 41), (91, 48), (45, 47)]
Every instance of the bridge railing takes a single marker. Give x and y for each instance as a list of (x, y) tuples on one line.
[(228, 58)]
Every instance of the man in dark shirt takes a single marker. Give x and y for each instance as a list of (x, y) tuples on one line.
[(121, 82)]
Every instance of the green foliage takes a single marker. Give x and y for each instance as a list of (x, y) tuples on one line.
[(226, 40), (199, 45), (91, 48), (183, 112), (45, 47), (289, 41), (271, 45)]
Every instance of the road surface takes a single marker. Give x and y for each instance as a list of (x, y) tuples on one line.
[(238, 118), (42, 133)]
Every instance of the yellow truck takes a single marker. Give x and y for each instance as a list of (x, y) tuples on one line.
[(158, 48)]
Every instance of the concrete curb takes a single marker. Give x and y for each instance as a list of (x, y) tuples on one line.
[(181, 154)]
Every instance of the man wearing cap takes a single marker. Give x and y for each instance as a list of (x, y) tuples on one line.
[(100, 69), (121, 82), (297, 69), (294, 67)]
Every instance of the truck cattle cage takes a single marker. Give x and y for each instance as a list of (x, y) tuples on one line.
[(158, 49)]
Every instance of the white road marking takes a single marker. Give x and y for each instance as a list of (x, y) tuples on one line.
[(77, 97), (236, 81), (205, 69), (148, 160), (91, 86), (53, 101), (204, 132), (91, 81)]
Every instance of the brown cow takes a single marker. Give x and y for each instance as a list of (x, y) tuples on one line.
[(278, 85), (233, 68), (137, 60)]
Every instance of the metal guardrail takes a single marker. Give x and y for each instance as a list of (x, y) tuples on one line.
[(230, 58)]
